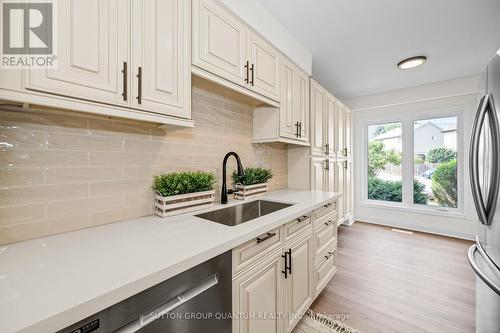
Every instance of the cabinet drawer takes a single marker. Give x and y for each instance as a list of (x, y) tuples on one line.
[(255, 249), (324, 234), (325, 210), (332, 216), (294, 227), (325, 267)]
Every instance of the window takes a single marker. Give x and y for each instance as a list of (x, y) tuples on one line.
[(414, 161), (384, 162), (435, 162)]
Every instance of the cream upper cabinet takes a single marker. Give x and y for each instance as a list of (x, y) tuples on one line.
[(317, 119), (120, 58), (299, 283), (220, 41), (226, 47), (288, 117), (341, 132), (259, 291), (302, 106), (331, 110), (294, 105), (265, 66), (93, 46), (160, 49)]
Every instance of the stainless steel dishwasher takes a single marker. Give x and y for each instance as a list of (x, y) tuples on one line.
[(197, 300)]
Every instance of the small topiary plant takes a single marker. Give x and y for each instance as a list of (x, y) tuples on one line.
[(253, 176), (176, 183)]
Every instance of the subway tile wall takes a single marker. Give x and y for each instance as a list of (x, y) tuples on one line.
[(62, 170)]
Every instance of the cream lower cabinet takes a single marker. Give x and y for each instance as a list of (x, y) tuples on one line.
[(275, 288), (343, 184), (299, 283), (257, 293)]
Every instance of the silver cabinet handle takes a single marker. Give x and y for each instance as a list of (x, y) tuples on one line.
[(477, 270), (474, 160), (165, 308)]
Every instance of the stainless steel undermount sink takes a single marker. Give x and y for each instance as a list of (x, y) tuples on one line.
[(244, 212)]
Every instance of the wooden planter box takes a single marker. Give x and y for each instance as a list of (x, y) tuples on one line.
[(249, 191), (183, 203)]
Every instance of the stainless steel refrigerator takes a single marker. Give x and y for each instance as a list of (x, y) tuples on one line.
[(484, 168)]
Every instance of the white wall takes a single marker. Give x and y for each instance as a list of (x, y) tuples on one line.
[(261, 20), (461, 94)]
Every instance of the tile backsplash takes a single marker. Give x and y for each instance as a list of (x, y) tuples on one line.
[(64, 170)]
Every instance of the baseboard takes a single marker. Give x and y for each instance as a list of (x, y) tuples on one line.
[(416, 228)]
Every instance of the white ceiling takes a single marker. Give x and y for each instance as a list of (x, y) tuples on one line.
[(357, 44)]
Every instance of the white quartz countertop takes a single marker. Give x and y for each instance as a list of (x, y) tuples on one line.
[(50, 283)]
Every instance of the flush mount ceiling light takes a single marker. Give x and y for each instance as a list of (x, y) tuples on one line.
[(412, 62)]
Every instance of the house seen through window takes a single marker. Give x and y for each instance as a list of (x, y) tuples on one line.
[(434, 168)]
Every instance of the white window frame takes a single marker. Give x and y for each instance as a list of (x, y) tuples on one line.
[(407, 161)]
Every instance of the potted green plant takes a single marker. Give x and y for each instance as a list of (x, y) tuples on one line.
[(182, 192), (252, 183)]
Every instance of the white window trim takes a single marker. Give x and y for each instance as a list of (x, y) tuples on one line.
[(407, 165)]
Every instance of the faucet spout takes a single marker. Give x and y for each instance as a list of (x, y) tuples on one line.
[(241, 173)]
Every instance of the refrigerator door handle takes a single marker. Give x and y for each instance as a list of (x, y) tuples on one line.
[(495, 167), (477, 247), (474, 160)]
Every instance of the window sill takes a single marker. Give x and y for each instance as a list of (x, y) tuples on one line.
[(427, 211)]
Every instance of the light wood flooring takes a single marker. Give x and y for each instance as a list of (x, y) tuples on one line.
[(394, 282)]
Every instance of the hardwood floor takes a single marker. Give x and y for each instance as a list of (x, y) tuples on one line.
[(395, 282)]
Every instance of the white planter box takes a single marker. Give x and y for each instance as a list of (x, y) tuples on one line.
[(246, 191), (183, 203)]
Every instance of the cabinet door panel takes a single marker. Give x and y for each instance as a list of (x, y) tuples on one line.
[(267, 63), (219, 41), (301, 103), (347, 132), (318, 175), (341, 132), (339, 187), (317, 116), (260, 291), (160, 47), (332, 123), (92, 46), (347, 188), (299, 284), (288, 117)]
